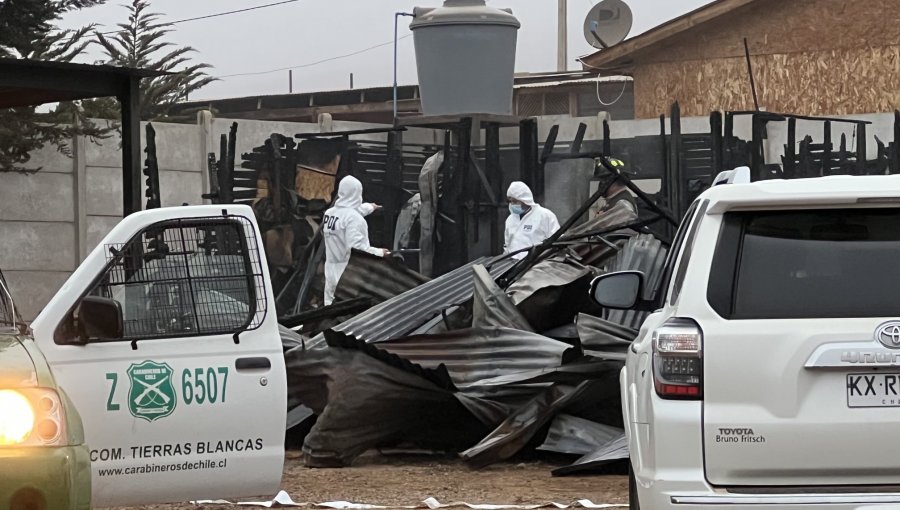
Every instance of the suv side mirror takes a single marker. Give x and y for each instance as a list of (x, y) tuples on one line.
[(101, 318), (620, 290)]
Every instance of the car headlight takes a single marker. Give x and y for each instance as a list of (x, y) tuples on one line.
[(31, 417), (16, 417)]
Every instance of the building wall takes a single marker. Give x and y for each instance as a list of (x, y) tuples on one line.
[(810, 57)]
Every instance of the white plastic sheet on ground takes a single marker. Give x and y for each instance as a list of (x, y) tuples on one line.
[(283, 500)]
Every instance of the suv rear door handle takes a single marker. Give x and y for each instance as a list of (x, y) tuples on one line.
[(256, 363)]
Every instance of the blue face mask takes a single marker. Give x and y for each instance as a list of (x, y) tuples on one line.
[(517, 209)]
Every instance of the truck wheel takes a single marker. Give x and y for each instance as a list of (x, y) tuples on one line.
[(633, 501)]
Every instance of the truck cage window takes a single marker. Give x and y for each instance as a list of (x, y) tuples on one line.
[(187, 277)]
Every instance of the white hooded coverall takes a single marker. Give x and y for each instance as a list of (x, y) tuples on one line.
[(344, 229), (531, 228)]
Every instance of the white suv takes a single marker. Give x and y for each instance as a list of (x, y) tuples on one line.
[(769, 372)]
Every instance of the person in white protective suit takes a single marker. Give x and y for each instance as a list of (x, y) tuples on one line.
[(528, 223), (344, 229)]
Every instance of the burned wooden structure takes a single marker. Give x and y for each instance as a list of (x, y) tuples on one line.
[(290, 182), (687, 162), (473, 197)]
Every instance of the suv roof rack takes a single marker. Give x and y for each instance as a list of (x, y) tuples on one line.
[(740, 175)]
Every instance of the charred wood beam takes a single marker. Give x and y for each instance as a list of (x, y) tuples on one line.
[(757, 158), (772, 116), (675, 176), (579, 138), (151, 170), (494, 182), (895, 150), (607, 139), (790, 151), (715, 129), (528, 143), (861, 149)]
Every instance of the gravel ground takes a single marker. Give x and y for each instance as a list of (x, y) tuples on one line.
[(407, 480)]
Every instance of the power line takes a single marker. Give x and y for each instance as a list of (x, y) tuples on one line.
[(347, 55), (234, 12), (258, 73), (216, 15)]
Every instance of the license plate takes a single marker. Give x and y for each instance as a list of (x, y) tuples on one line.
[(873, 390)]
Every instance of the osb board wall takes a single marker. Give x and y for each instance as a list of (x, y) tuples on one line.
[(314, 184), (784, 26), (834, 82)]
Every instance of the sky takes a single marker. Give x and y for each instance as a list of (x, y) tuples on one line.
[(307, 31)]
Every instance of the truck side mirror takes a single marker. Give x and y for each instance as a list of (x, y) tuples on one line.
[(620, 290), (101, 318)]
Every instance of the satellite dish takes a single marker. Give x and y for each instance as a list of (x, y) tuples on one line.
[(608, 24)]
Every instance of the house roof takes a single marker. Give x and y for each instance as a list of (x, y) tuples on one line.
[(365, 105), (621, 56)]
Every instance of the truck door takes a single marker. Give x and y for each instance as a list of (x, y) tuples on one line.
[(165, 341)]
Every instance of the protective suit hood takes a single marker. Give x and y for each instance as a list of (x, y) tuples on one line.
[(349, 193), (521, 192)]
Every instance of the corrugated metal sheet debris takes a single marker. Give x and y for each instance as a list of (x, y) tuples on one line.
[(643, 253), (577, 436), (477, 354), (617, 449), (375, 277), (400, 315), (492, 307)]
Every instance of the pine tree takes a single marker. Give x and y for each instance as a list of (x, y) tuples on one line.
[(140, 44), (28, 30)]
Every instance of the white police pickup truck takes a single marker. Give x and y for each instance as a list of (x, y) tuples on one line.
[(166, 340)]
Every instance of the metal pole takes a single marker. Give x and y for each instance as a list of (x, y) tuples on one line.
[(562, 43), (396, 21), (291, 81)]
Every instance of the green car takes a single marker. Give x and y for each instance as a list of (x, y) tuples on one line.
[(44, 462)]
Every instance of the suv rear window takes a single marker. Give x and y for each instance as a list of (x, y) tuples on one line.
[(829, 263)]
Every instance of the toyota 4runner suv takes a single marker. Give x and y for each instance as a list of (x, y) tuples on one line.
[(769, 372)]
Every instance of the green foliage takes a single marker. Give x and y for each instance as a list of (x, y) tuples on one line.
[(140, 44), (28, 30)]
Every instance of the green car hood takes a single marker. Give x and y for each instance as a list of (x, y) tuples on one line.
[(18, 366)]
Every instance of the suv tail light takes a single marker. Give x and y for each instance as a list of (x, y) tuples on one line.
[(678, 360)]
